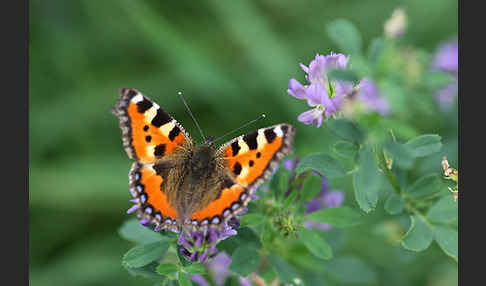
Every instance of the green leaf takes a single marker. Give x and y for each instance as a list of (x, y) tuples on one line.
[(424, 145), (252, 219), (367, 181), (278, 183), (425, 186), (375, 49), (345, 129), (195, 268), (436, 80), (246, 237), (311, 188), (324, 164), (445, 210), (447, 240), (343, 75), (315, 243), (345, 35), (184, 279), (244, 260), (266, 235), (346, 149), (338, 217), (132, 230), (394, 204), (148, 271), (166, 269), (419, 235), (290, 200), (350, 270), (285, 272), (144, 254), (402, 156)]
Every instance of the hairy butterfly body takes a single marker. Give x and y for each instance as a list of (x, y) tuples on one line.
[(178, 184)]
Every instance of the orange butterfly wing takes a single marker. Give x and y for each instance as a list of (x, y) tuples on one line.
[(149, 133), (149, 136), (251, 158)]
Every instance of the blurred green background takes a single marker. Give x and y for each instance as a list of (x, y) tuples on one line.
[(232, 60)]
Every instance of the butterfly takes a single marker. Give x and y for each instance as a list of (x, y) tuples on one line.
[(178, 184)]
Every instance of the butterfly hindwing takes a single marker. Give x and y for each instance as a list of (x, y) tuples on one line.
[(149, 133), (153, 205)]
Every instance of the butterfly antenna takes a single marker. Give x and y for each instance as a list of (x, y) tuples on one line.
[(241, 127), (192, 116)]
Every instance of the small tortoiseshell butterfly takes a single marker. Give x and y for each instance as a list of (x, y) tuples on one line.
[(178, 184)]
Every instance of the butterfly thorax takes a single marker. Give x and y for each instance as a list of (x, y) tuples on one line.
[(202, 162), (201, 183)]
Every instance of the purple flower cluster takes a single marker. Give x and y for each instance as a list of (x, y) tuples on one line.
[(323, 95), (201, 245), (327, 96), (446, 59)]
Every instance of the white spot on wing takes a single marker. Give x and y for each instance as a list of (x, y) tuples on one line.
[(278, 131), (150, 114), (244, 172), (137, 98), (166, 128), (261, 140), (243, 147)]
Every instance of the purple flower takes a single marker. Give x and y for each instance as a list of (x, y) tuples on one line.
[(218, 268), (446, 58), (447, 95), (324, 95), (367, 92), (325, 198), (201, 245)]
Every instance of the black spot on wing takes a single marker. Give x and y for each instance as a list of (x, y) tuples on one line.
[(148, 138), (161, 118), (143, 105), (235, 148), (284, 128), (237, 169), (251, 163), (251, 140), (129, 92), (174, 132), (258, 155), (145, 128), (269, 135), (159, 150)]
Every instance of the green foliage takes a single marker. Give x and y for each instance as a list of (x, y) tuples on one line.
[(424, 145), (419, 235), (366, 181), (322, 163), (394, 204), (314, 242), (444, 211), (346, 36), (245, 260), (348, 269), (425, 186), (144, 254), (338, 217)]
